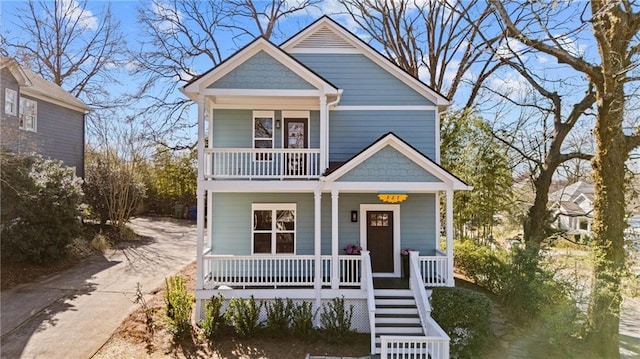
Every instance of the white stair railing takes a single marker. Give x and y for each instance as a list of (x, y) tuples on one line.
[(367, 284)]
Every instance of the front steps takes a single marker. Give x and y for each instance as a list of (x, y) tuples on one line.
[(396, 314)]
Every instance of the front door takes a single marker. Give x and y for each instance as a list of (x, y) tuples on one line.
[(380, 240), (295, 136)]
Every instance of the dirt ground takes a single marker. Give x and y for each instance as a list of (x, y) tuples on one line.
[(133, 340)]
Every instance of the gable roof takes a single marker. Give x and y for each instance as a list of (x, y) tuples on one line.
[(34, 85), (199, 83), (572, 191), (390, 139), (325, 33)]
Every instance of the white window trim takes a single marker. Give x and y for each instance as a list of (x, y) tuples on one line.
[(275, 207), (296, 114), (23, 102), (263, 114), (13, 94)]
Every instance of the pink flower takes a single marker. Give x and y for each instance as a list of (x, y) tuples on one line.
[(352, 249), (405, 252)]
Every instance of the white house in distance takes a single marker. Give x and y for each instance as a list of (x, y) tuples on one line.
[(573, 208), (313, 146)]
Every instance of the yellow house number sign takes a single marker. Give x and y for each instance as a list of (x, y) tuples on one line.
[(392, 197)]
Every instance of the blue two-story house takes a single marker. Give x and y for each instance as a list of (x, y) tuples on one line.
[(318, 177)]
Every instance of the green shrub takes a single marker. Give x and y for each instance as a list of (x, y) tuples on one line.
[(244, 316), (213, 322), (278, 317), (302, 320), (336, 320), (40, 208), (464, 315), (178, 307)]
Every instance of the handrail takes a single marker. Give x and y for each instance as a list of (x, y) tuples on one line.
[(367, 279), (416, 284)]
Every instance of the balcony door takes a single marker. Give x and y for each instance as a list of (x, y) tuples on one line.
[(296, 133)]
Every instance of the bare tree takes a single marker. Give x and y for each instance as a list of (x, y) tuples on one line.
[(615, 26), (445, 38), (178, 35), (67, 44)]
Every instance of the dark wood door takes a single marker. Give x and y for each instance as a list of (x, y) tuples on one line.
[(380, 240), (295, 136)]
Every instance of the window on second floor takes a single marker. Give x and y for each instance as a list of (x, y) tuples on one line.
[(28, 114), (263, 133), (274, 228), (10, 101)]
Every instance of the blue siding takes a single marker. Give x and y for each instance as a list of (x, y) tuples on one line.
[(262, 71), (234, 129), (388, 165), (352, 131), (363, 81), (232, 221)]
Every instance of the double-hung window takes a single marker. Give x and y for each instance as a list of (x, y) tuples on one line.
[(263, 133), (274, 228), (28, 114), (10, 101)]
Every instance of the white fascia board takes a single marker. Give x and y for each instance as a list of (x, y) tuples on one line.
[(374, 187), (260, 92), (259, 45), (374, 56), (410, 153), (273, 186), (40, 96)]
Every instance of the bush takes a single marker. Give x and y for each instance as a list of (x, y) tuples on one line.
[(278, 317), (178, 307), (40, 208), (336, 320), (464, 315), (302, 320), (213, 321), (244, 316)]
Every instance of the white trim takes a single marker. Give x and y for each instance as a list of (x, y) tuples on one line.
[(260, 44), (32, 93), (385, 108), (280, 104), (368, 187), (274, 207), (324, 50), (415, 156), (437, 136), (11, 94), (263, 114), (375, 56), (230, 186), (395, 208), (22, 114)]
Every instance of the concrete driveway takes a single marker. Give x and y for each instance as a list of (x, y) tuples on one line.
[(73, 313)]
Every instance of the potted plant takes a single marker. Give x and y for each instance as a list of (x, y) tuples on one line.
[(404, 254), (352, 249)]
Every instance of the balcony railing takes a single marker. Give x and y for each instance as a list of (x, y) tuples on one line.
[(262, 163), (434, 270), (278, 271)]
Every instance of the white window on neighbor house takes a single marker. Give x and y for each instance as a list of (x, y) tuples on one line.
[(273, 228), (263, 133), (28, 114), (10, 101)]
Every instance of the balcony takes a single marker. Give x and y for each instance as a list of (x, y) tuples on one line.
[(262, 163)]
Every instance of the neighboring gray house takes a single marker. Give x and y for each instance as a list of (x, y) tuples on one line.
[(39, 116), (309, 151), (573, 208)]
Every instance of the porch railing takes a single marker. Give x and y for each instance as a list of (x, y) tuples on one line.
[(434, 270), (262, 163), (279, 270), (393, 347)]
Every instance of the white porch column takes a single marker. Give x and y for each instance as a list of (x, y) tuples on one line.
[(200, 196), (317, 248), (335, 269), (438, 221), (324, 136), (449, 229)]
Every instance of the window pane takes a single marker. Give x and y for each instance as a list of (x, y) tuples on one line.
[(262, 220), (262, 243), (286, 220), (263, 127), (284, 243)]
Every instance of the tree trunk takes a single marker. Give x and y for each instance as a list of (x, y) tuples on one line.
[(537, 222), (608, 227)]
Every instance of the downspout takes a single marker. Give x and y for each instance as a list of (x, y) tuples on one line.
[(326, 144)]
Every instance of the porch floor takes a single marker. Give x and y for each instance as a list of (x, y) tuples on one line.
[(390, 283)]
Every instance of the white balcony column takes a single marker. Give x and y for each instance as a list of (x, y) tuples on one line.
[(317, 248), (200, 199), (324, 134), (438, 221), (449, 231), (335, 268)]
